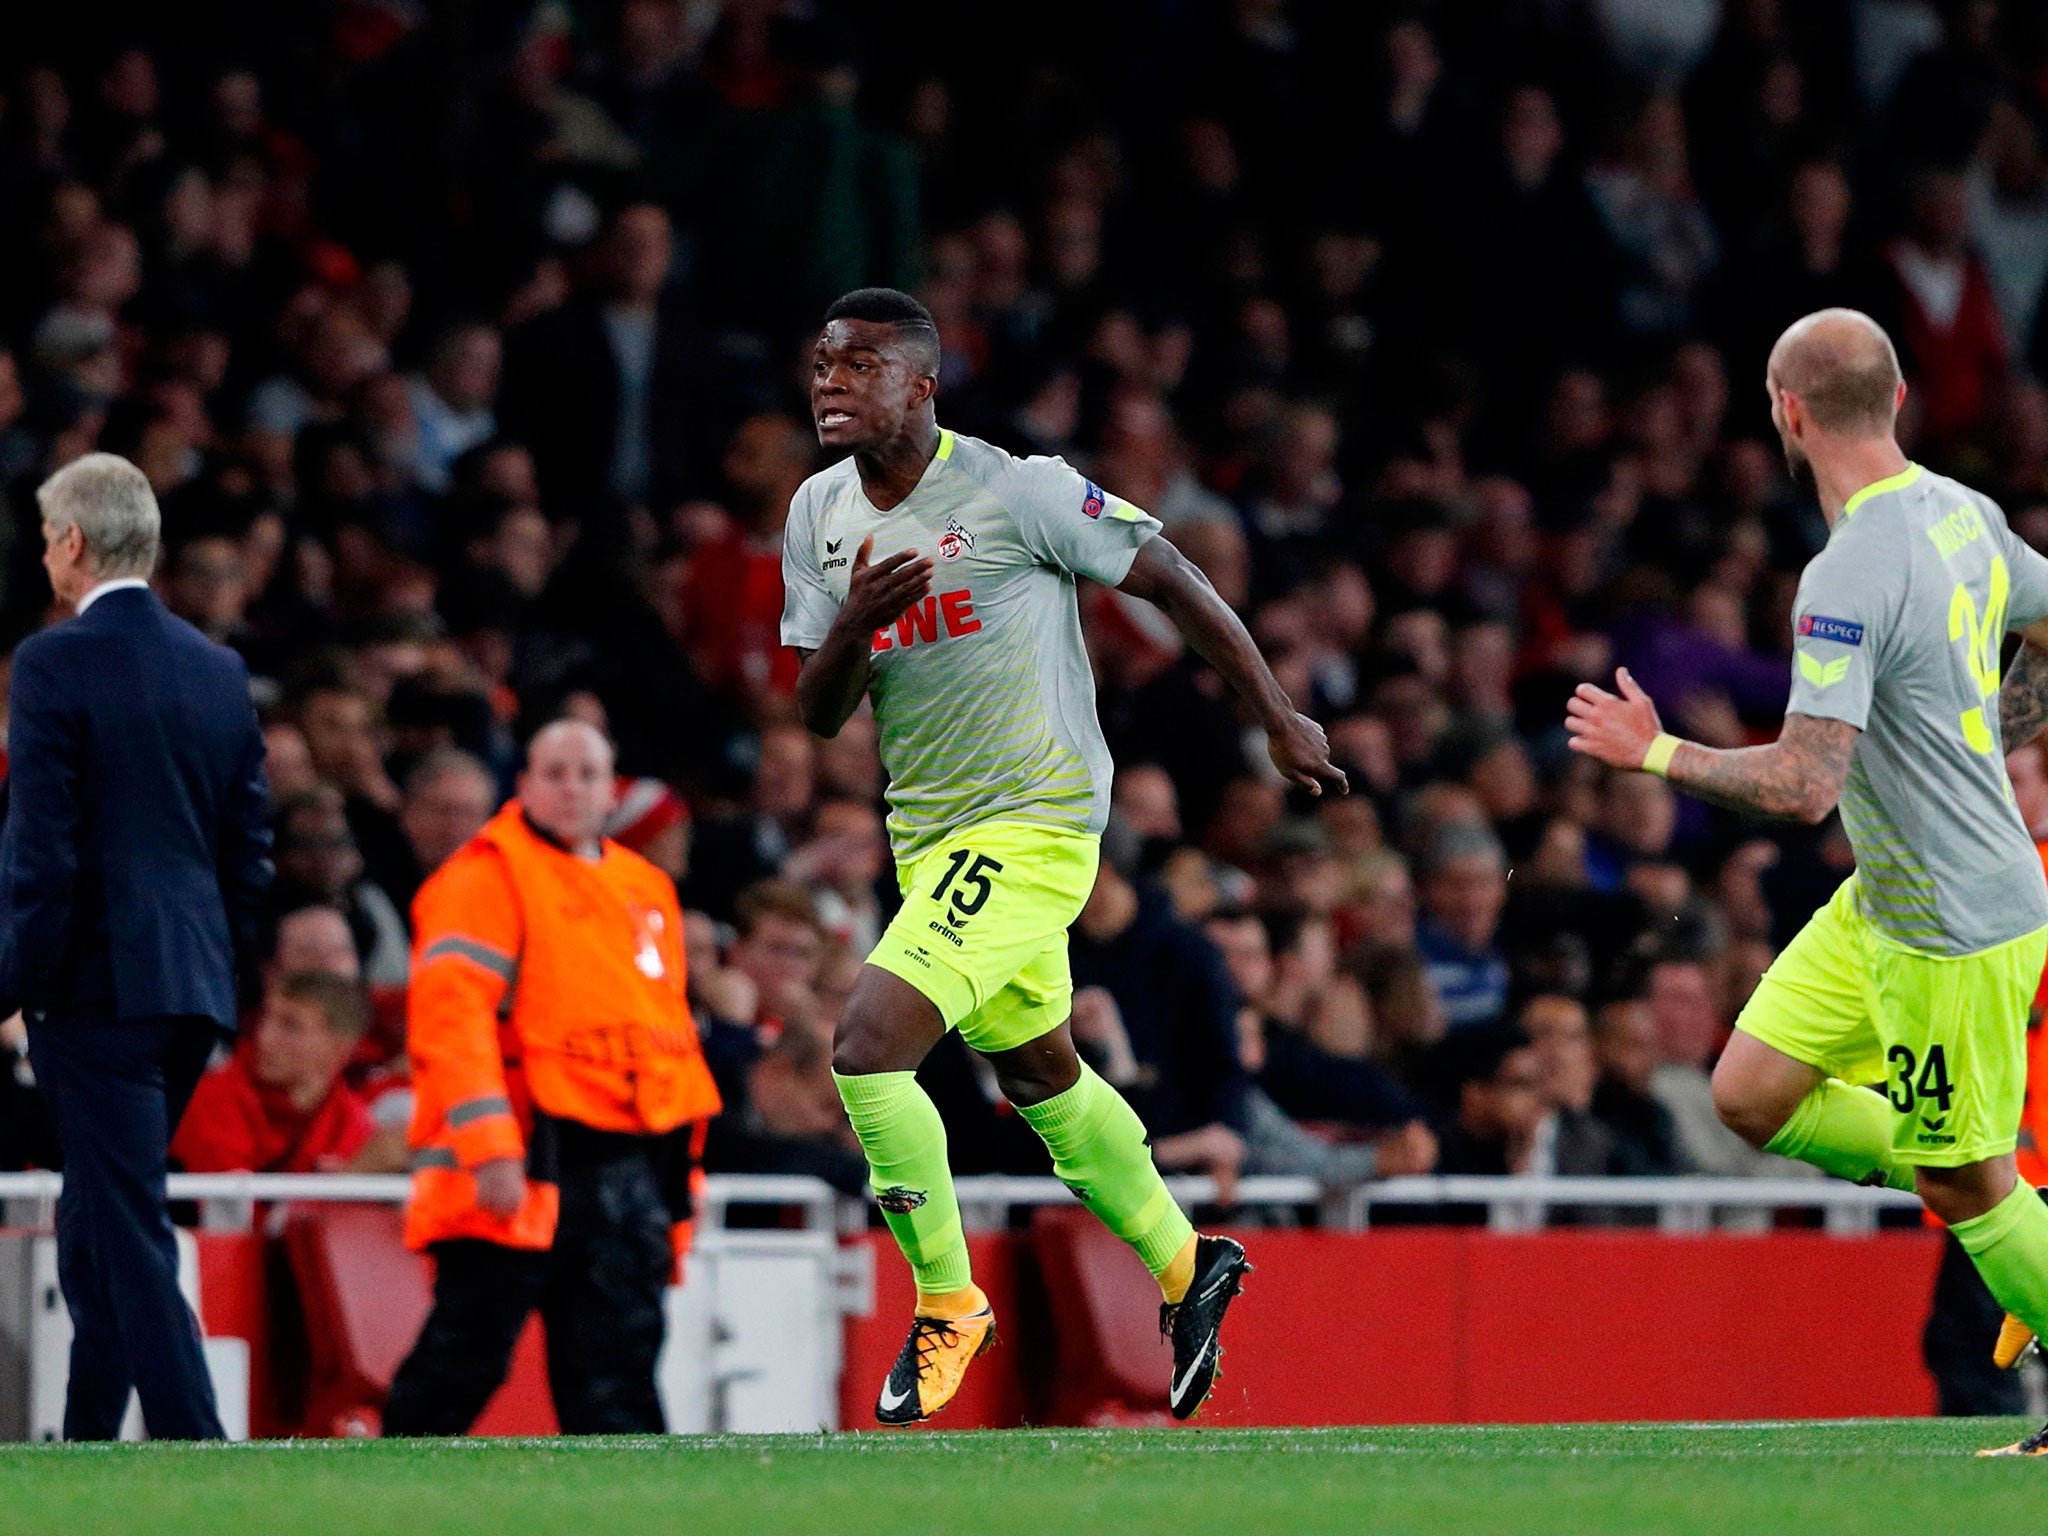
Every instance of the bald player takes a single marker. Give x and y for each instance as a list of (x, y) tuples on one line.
[(1916, 977)]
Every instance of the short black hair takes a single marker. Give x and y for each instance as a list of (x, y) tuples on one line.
[(1478, 1052), (892, 306)]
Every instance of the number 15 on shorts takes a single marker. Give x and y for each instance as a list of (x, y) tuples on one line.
[(969, 883)]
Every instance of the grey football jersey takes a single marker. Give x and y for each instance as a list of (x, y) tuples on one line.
[(984, 698), (1897, 630)]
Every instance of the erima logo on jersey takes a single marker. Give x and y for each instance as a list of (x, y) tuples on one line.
[(834, 559), (1093, 503), (1842, 631), (1823, 674)]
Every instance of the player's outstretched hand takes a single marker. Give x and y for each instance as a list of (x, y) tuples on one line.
[(878, 594), (1616, 731), (1301, 751)]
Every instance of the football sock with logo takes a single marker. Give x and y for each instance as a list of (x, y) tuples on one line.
[(905, 1142), (1844, 1131), (2009, 1246), (1099, 1152)]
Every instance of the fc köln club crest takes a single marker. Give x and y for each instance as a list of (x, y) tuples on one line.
[(955, 541)]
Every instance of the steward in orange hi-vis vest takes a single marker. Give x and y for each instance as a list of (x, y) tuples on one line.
[(561, 1099), (578, 1009)]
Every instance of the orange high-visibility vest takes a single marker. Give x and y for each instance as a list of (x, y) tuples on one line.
[(541, 980)]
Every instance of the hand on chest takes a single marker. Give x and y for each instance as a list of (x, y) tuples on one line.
[(972, 556)]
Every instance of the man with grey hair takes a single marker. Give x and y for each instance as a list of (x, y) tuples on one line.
[(449, 795), (100, 524), (1464, 887), (133, 867)]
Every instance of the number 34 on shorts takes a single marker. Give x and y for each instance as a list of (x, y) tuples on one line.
[(1922, 1088), (1953, 1030), (983, 927)]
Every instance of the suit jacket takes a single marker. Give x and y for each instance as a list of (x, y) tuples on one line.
[(136, 852), (561, 398)]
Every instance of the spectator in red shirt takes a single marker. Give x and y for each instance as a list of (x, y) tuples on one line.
[(280, 1105), (732, 596), (1950, 329)]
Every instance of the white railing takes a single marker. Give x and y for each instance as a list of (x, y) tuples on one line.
[(225, 1198), (1521, 1203)]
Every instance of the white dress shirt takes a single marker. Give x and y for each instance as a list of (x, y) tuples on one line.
[(113, 584)]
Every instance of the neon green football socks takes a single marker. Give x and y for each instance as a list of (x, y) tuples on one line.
[(1845, 1131), (1099, 1152), (2009, 1246), (905, 1142)]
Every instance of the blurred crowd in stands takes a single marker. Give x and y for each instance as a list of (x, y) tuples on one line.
[(463, 344)]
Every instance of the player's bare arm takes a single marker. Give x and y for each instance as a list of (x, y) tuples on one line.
[(1798, 777), (2023, 696), (1165, 577), (832, 679)]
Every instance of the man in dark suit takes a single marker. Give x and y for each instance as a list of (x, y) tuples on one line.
[(134, 859), (607, 389)]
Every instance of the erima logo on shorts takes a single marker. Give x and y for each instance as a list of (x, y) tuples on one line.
[(898, 1200), (1841, 631)]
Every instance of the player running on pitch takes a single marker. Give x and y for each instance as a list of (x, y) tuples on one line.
[(1916, 977), (967, 636)]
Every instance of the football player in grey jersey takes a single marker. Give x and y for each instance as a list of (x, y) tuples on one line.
[(1887, 1044), (938, 576)]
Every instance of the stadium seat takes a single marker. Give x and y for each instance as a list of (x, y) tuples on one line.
[(364, 1296), (1113, 1365)]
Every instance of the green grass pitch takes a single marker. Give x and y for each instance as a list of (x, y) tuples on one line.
[(1723, 1480)]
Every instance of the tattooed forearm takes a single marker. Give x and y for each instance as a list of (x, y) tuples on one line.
[(1798, 777), (2023, 697)]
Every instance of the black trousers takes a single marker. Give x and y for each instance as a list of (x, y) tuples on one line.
[(1956, 1344), (599, 1291), (116, 1091)]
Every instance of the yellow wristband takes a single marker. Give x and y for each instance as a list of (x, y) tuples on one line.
[(1658, 759)]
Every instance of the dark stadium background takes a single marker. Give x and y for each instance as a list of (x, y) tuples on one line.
[(1435, 333)]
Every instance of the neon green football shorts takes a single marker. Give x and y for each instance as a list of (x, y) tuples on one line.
[(1945, 1036), (983, 928)]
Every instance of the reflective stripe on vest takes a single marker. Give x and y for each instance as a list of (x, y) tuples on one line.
[(497, 962), (473, 1110)]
